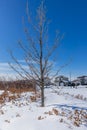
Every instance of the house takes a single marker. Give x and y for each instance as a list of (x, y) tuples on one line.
[(61, 80), (83, 80), (76, 82)]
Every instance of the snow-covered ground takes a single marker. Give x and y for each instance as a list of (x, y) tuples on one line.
[(63, 111), (82, 90), (1, 92)]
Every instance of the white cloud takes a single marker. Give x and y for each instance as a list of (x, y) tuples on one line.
[(4, 67), (7, 72)]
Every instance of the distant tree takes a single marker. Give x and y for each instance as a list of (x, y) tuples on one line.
[(38, 51)]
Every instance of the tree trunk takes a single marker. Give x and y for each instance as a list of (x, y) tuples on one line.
[(42, 96)]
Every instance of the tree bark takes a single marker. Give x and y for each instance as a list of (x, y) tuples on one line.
[(42, 96)]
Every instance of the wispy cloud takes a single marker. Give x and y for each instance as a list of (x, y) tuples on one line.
[(4, 67), (7, 72)]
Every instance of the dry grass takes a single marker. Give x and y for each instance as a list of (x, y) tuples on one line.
[(55, 111), (33, 98), (41, 118), (20, 90), (6, 97), (78, 117), (15, 93), (52, 112)]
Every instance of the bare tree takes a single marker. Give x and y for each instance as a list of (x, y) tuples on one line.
[(38, 51)]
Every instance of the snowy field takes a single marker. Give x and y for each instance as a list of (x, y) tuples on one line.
[(65, 109), (82, 90)]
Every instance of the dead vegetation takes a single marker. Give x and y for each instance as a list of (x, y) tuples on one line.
[(76, 117), (6, 97), (7, 121), (17, 86), (33, 98), (80, 97), (14, 89), (41, 118), (52, 112), (20, 90)]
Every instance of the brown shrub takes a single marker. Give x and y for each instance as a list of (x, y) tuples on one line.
[(33, 98), (76, 112), (50, 113), (20, 90), (5, 97), (12, 98), (63, 113), (55, 111), (40, 118), (38, 95), (76, 123)]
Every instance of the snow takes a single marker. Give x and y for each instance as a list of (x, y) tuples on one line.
[(1, 91), (23, 114), (82, 90)]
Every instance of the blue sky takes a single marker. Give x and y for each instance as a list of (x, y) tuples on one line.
[(69, 16)]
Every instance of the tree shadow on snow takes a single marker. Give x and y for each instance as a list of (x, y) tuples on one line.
[(68, 106)]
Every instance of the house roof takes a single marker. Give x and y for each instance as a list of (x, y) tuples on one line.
[(61, 76), (82, 76)]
